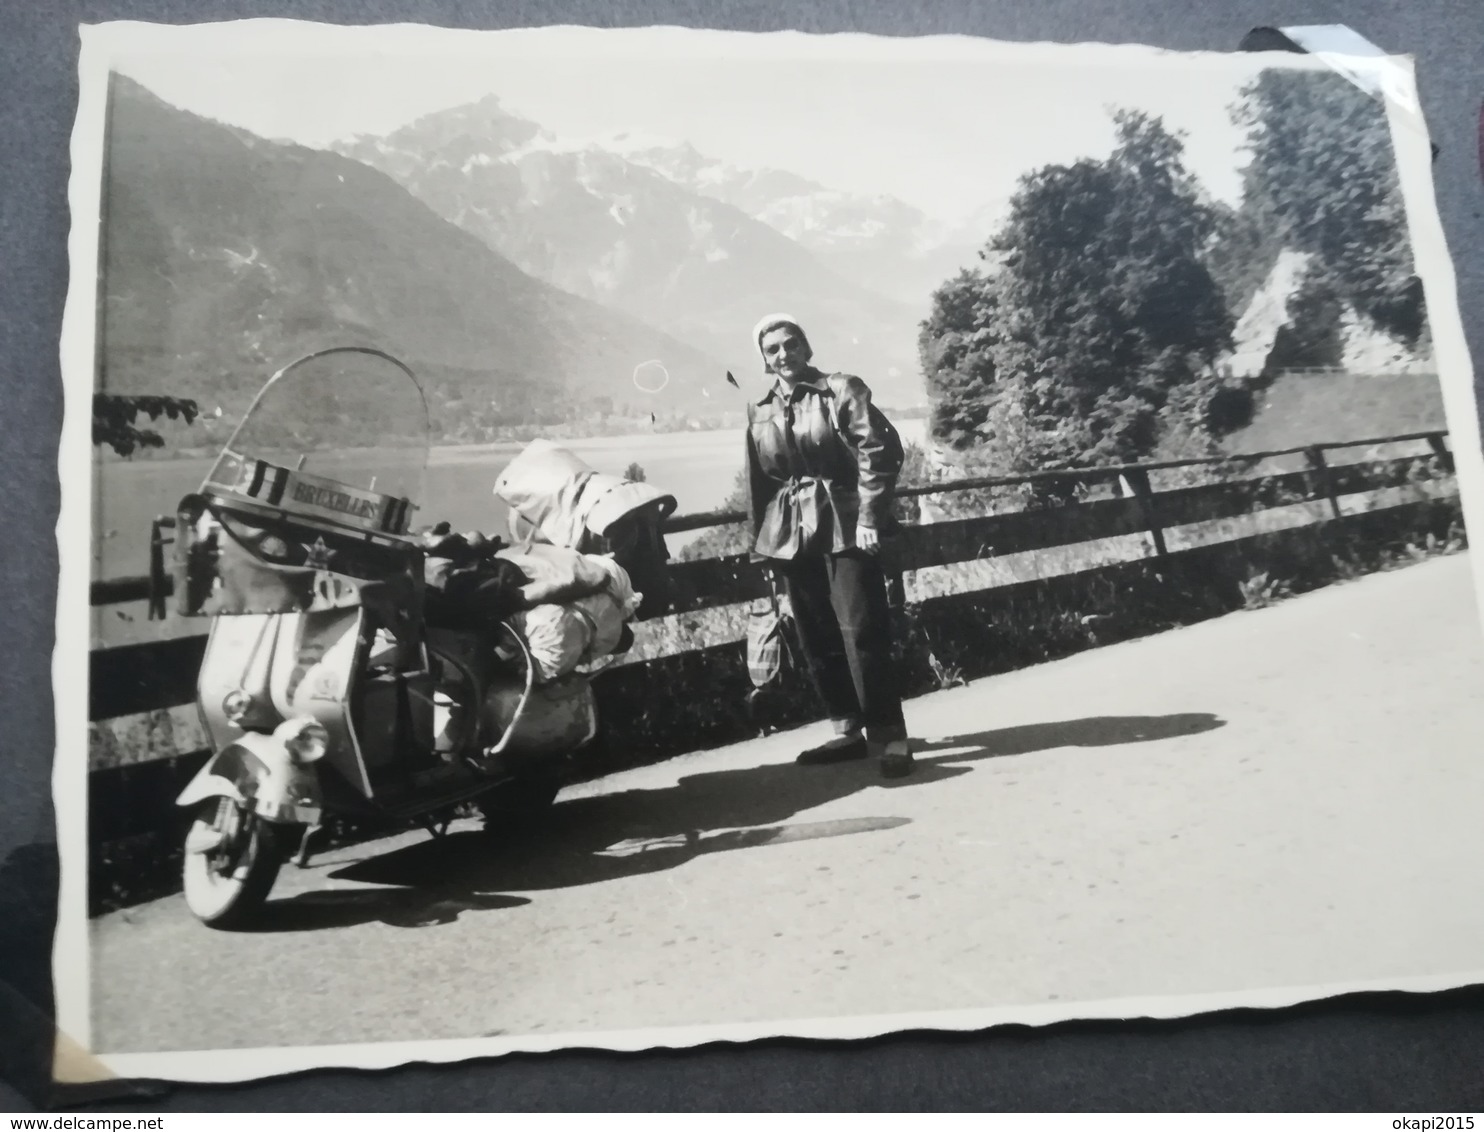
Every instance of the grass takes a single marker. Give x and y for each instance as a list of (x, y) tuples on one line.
[(1300, 409), (1261, 588)]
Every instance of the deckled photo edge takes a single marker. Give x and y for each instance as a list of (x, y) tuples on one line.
[(71, 960), (1411, 141), (206, 1066), (650, 41)]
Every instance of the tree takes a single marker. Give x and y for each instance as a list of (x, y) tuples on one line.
[(114, 417), (1100, 324), (720, 542), (634, 472), (956, 347), (1322, 164)]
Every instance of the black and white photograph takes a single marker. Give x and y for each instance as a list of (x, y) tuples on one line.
[(629, 538)]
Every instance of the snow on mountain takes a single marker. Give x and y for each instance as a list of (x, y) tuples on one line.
[(685, 243), (228, 255), (885, 243)]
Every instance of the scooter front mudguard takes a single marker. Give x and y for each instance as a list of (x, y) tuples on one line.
[(258, 773)]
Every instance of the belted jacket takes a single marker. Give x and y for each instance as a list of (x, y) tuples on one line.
[(820, 459)]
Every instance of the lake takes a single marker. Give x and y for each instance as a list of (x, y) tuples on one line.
[(698, 468)]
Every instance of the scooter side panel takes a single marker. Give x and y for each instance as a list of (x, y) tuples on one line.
[(240, 654), (312, 676)]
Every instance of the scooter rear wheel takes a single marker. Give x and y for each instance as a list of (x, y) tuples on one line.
[(521, 805), (232, 858)]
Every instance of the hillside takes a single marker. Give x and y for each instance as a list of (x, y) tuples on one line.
[(584, 217), (226, 255), (1299, 409)]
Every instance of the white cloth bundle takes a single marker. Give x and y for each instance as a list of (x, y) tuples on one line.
[(563, 636), (555, 497)]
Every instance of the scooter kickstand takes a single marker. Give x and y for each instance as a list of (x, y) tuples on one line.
[(438, 832), (301, 858)]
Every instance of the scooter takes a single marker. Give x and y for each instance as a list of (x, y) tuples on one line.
[(325, 688)]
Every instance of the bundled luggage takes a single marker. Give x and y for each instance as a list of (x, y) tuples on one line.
[(590, 557), (556, 499), (579, 605)]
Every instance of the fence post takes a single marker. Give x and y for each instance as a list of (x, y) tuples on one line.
[(1326, 478), (1440, 450), (1135, 482), (157, 543)]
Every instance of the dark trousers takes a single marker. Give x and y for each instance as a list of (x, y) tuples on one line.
[(844, 625)]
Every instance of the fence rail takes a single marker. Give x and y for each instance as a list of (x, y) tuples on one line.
[(1131, 479)]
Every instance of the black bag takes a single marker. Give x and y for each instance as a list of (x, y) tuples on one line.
[(637, 543)]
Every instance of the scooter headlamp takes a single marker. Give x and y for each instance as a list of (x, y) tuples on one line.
[(306, 740)]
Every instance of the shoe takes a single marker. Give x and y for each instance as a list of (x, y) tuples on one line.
[(841, 749), (896, 760)]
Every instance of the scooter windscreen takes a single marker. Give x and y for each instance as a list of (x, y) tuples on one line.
[(336, 435), (314, 494)]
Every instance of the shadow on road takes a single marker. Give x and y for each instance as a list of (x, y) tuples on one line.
[(398, 908), (594, 839), (463, 870), (1097, 731)]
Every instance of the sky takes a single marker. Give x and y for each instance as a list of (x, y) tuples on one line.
[(944, 123)]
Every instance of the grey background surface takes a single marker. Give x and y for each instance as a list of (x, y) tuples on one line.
[(1414, 1054)]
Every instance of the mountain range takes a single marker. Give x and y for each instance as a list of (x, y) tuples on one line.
[(881, 242), (687, 243), (524, 276), (225, 254)]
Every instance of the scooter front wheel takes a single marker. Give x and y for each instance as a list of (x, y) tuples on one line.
[(232, 858)]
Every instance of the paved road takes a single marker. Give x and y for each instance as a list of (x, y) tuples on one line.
[(1283, 797)]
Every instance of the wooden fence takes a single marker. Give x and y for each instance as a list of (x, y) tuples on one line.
[(130, 680), (1141, 549)]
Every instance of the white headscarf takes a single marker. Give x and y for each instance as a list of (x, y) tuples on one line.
[(773, 322)]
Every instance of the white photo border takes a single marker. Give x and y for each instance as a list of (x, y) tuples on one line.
[(76, 1060)]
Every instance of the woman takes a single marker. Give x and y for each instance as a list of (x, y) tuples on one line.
[(822, 464)]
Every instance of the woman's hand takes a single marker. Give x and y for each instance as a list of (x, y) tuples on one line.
[(867, 538)]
